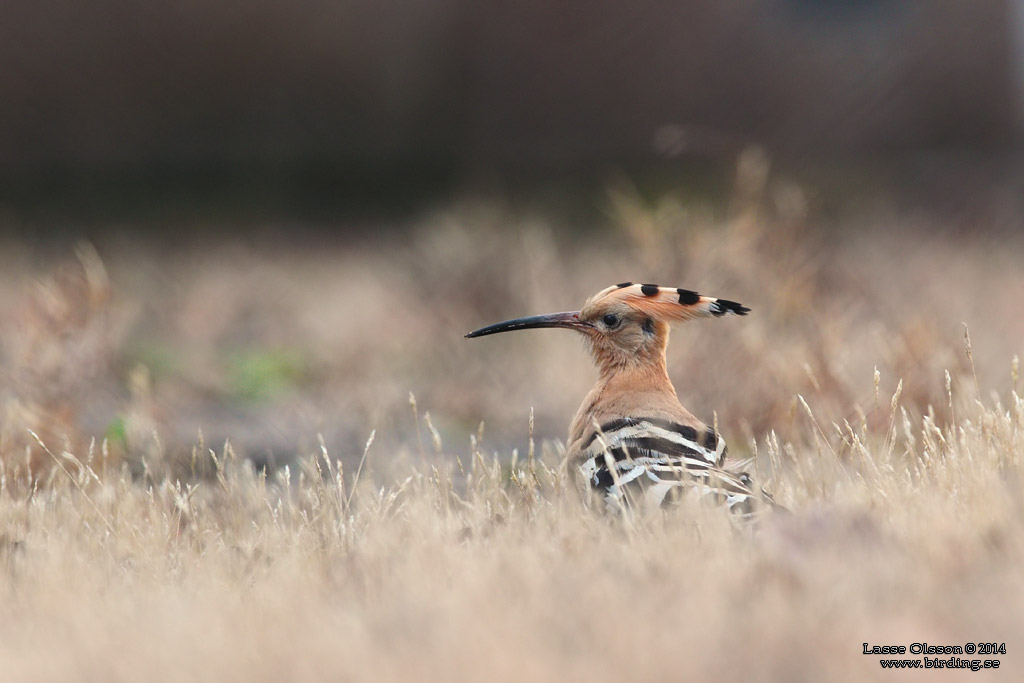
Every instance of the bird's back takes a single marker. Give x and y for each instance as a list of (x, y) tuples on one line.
[(652, 457)]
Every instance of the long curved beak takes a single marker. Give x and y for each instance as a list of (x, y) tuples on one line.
[(569, 319)]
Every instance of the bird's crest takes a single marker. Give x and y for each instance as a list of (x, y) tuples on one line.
[(669, 304)]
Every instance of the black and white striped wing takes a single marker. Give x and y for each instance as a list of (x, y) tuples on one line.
[(651, 462)]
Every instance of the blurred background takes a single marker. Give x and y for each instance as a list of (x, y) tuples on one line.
[(263, 221)]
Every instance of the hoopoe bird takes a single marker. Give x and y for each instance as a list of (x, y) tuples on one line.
[(631, 439)]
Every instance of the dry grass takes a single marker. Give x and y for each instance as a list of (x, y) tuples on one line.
[(911, 537), (170, 557)]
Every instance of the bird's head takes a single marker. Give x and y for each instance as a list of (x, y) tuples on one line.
[(626, 324)]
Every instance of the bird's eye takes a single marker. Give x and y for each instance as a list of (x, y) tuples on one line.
[(611, 320)]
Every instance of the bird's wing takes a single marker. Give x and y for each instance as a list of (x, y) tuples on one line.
[(654, 458)]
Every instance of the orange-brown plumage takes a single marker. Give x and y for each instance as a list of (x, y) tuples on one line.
[(631, 428)]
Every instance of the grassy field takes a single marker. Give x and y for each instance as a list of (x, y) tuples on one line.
[(282, 461)]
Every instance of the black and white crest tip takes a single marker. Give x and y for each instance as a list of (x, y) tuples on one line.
[(722, 306)]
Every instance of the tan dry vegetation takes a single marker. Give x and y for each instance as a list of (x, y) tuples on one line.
[(152, 557), (915, 537)]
